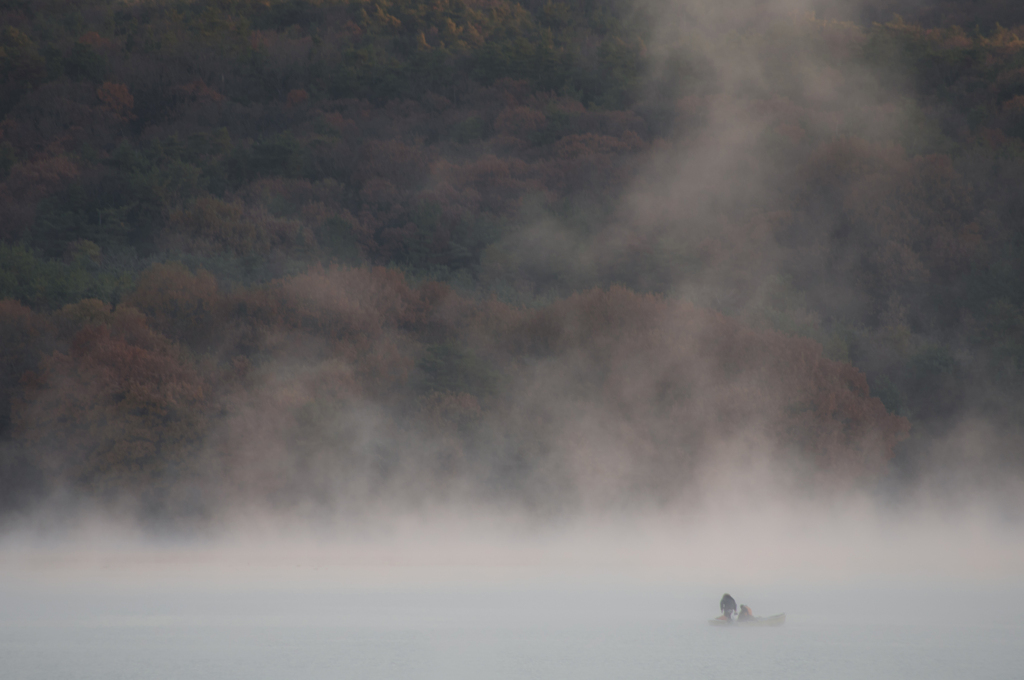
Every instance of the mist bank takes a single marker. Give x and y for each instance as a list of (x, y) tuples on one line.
[(347, 386), (780, 545), (498, 627)]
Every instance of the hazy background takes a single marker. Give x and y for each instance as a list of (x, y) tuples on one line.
[(706, 344)]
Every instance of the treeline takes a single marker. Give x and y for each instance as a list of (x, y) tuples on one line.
[(307, 129), (179, 180), (985, 14), (349, 382)]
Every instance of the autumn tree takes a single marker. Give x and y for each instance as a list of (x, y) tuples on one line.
[(121, 411)]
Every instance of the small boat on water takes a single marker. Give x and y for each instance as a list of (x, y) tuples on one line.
[(776, 620)]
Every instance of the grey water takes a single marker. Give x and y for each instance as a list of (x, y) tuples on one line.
[(141, 629)]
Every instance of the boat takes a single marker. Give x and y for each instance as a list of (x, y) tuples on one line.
[(776, 620)]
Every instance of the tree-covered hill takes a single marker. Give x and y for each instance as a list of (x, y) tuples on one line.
[(289, 248)]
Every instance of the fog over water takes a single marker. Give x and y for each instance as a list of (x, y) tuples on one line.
[(481, 595)]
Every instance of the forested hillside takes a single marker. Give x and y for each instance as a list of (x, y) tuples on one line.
[(565, 253)]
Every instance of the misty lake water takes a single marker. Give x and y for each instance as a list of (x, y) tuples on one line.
[(130, 628)]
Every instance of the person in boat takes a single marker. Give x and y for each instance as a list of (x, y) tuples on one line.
[(745, 613), (728, 607)]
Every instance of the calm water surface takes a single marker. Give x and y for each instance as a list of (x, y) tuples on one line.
[(133, 630)]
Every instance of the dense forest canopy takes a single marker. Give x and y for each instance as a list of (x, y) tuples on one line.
[(558, 252)]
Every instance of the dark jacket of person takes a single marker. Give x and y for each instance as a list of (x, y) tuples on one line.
[(727, 605)]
